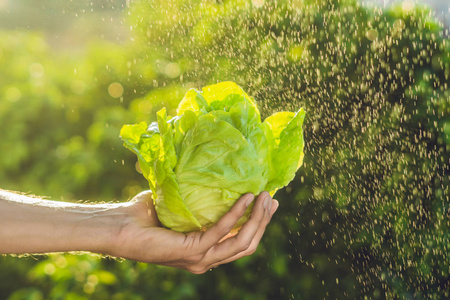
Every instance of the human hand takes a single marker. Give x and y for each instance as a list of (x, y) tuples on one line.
[(142, 238)]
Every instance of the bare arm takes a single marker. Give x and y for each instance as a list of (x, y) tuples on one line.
[(129, 230), (33, 225)]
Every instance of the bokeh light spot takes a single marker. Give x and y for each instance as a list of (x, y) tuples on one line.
[(36, 70), (115, 90), (49, 269), (172, 70), (407, 5), (372, 34), (399, 24), (13, 94), (78, 86), (297, 53), (145, 106), (258, 3)]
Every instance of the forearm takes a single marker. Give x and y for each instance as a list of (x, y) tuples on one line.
[(129, 230), (31, 225)]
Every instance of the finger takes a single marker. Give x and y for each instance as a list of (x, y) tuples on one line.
[(243, 239), (259, 234), (212, 258), (219, 230), (255, 242)]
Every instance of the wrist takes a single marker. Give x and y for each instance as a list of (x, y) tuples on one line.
[(130, 219), (99, 232)]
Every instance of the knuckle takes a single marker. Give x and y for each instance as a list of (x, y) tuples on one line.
[(197, 270), (236, 212), (251, 250), (195, 258), (224, 229), (264, 194), (244, 245)]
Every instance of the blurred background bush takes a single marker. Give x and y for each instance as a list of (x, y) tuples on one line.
[(367, 216)]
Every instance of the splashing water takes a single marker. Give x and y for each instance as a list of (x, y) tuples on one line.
[(373, 198)]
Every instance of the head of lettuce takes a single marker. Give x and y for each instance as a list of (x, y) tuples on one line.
[(213, 151)]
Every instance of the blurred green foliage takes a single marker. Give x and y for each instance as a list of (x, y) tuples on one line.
[(366, 217)]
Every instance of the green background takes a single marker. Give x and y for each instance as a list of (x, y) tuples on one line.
[(367, 216)]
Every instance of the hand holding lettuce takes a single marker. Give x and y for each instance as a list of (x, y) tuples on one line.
[(216, 149)]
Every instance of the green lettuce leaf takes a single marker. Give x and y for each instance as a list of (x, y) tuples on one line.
[(286, 149)]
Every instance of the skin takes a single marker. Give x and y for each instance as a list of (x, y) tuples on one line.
[(129, 230)]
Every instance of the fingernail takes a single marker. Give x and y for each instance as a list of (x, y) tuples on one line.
[(267, 202), (276, 204), (250, 199)]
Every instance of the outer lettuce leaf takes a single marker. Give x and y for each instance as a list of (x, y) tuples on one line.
[(181, 125), (131, 134), (192, 101), (245, 117), (247, 120), (145, 146), (167, 189), (278, 121), (221, 91), (216, 154), (207, 204), (222, 96), (171, 207), (286, 150), (167, 154)]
